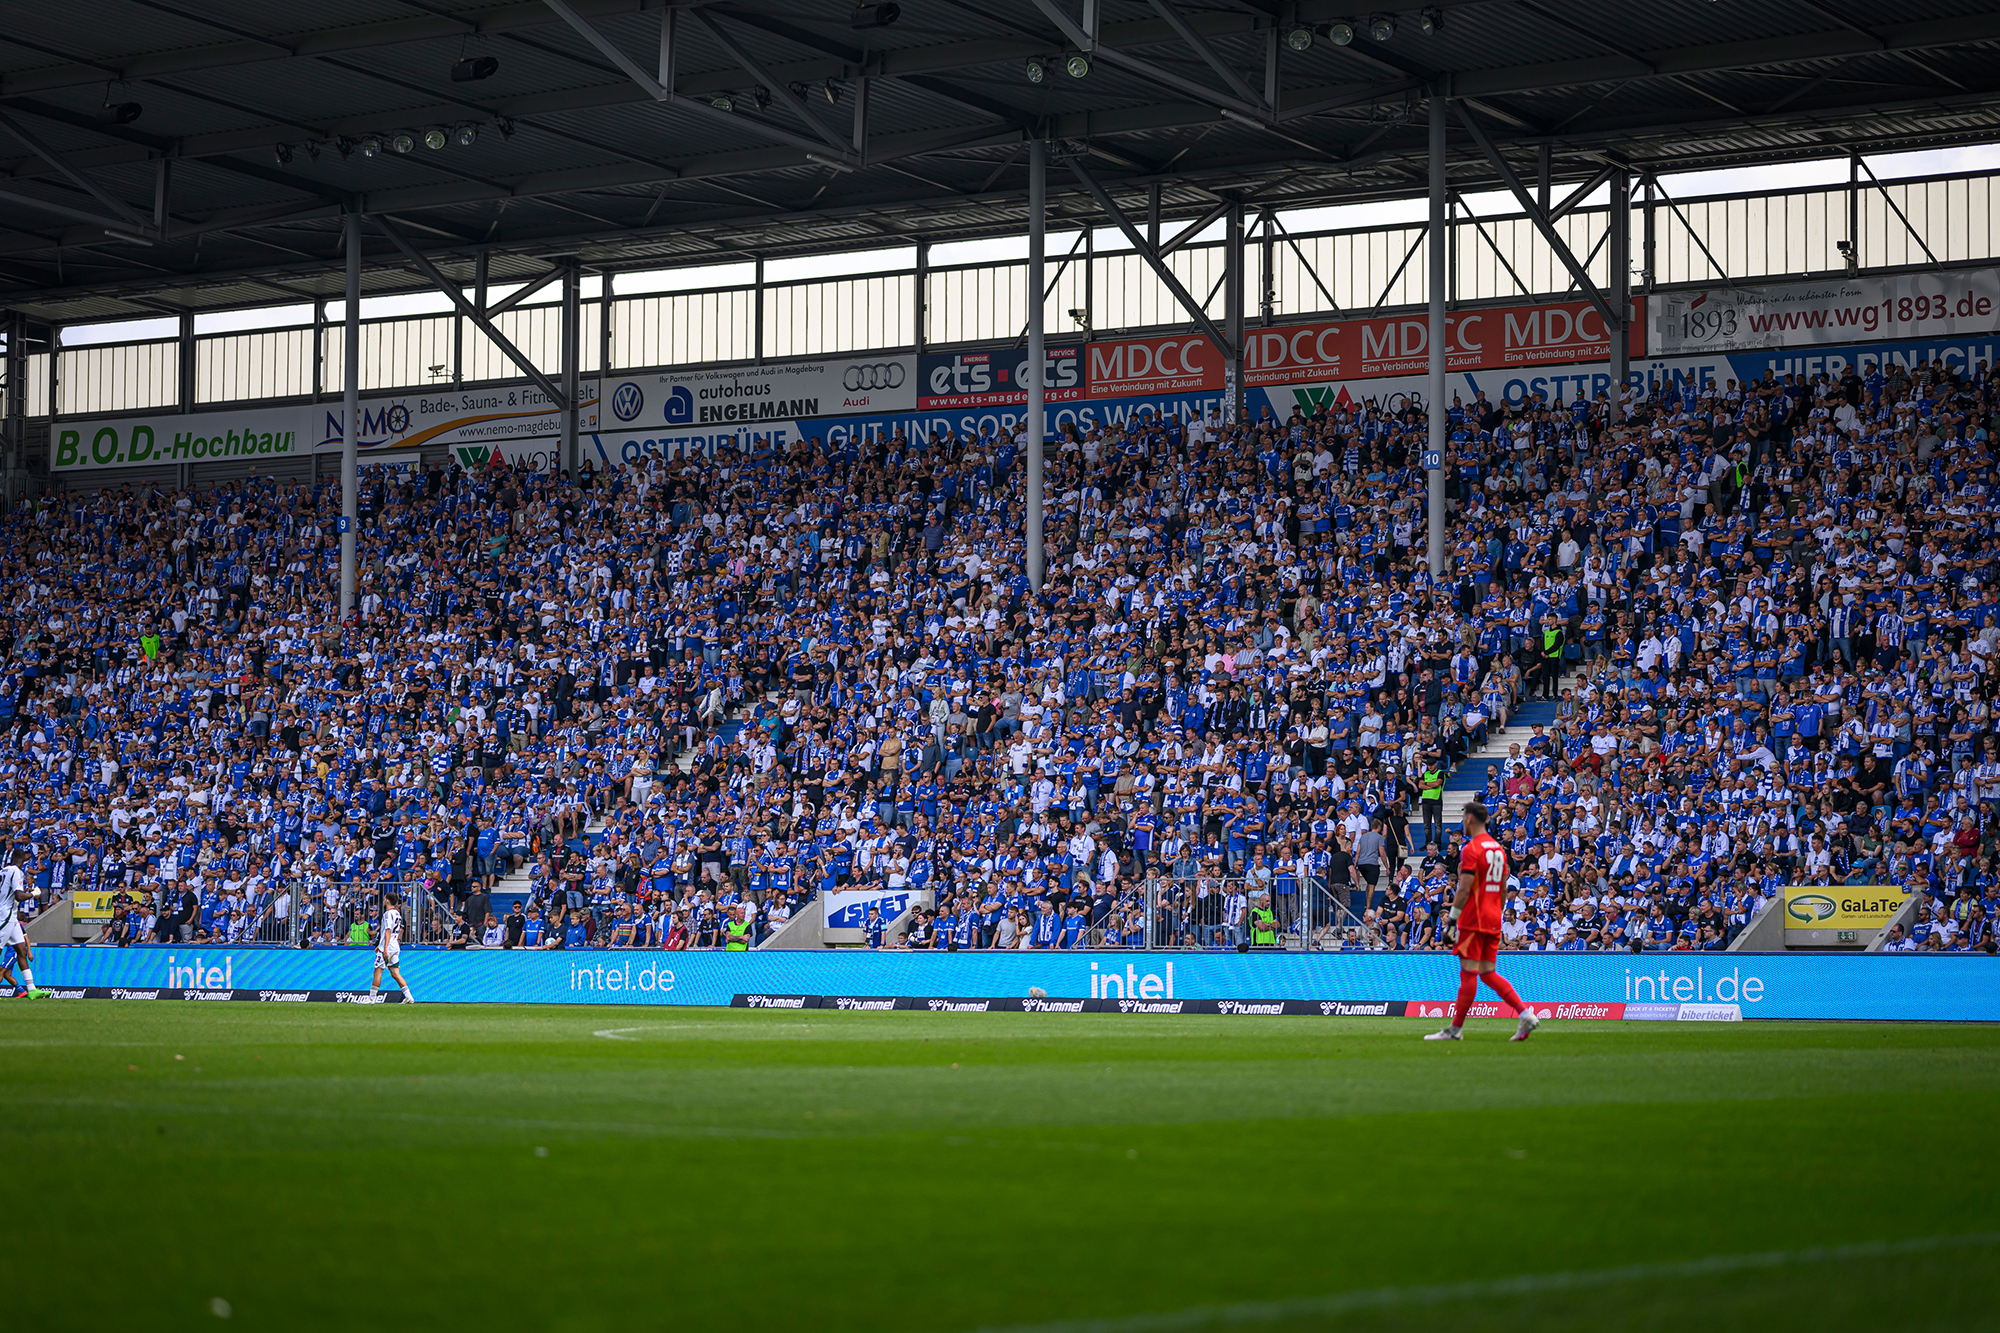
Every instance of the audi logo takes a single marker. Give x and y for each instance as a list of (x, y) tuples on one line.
[(881, 375)]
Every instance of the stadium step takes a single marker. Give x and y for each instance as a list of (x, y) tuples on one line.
[(1469, 778)]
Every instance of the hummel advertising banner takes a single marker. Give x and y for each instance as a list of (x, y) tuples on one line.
[(1827, 311)]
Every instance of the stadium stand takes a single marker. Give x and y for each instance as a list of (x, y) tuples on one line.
[(1743, 640)]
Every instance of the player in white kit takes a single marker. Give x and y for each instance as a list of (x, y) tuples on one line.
[(13, 888), (389, 950)]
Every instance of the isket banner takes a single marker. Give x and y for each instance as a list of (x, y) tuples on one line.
[(1827, 311)]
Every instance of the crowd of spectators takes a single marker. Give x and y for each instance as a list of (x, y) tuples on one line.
[(684, 697)]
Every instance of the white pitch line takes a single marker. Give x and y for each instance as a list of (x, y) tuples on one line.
[(613, 1034), (1382, 1298)]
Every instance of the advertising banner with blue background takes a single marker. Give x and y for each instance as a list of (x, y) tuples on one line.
[(848, 909), (1851, 986), (1512, 384)]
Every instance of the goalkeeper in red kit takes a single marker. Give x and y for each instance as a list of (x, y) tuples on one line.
[(1482, 891)]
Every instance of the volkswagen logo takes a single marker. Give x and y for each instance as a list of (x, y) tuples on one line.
[(880, 375), (628, 401)]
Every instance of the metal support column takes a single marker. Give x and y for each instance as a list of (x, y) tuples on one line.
[(17, 402), (1232, 287), (1648, 274), (757, 317), (1451, 250), (1853, 211), (1153, 216), (55, 382), (1434, 414), (921, 301), (1267, 278), (604, 299), (1037, 208), (1621, 288), (1089, 283), (184, 387), (572, 352), (350, 412)]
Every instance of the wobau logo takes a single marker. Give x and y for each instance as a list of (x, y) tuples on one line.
[(1131, 986)]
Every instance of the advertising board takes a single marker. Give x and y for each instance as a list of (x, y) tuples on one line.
[(952, 380), (1828, 312), (1839, 916), (450, 419), (1813, 986), (1488, 338)]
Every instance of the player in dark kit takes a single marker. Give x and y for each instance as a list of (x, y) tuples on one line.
[(1482, 891)]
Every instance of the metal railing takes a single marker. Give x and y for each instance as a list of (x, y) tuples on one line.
[(333, 915), (1203, 911), (1378, 269)]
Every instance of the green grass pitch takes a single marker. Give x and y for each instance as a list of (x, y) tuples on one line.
[(569, 1169)]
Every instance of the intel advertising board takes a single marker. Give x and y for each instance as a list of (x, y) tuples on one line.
[(1598, 986)]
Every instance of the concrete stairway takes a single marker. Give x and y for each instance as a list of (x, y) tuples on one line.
[(1468, 780)]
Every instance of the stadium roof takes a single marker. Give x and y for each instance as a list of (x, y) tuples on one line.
[(171, 155)]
